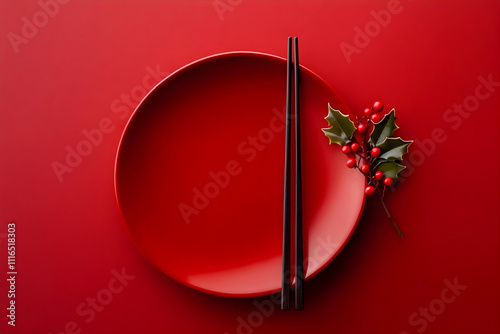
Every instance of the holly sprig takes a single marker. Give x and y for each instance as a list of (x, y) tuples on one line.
[(370, 146)]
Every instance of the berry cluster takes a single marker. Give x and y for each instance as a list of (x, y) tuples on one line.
[(370, 147), (362, 155)]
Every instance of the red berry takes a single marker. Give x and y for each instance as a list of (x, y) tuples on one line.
[(367, 111), (354, 147), (362, 128), (375, 152), (387, 181), (365, 169), (378, 106), (379, 175), (351, 163), (376, 118), (369, 190), (346, 149)]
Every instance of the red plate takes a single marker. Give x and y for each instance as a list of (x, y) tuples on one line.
[(199, 175)]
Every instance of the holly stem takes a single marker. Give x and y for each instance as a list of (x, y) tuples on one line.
[(390, 217)]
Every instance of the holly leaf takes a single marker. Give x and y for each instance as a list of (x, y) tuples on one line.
[(383, 129), (390, 169), (342, 128), (393, 148)]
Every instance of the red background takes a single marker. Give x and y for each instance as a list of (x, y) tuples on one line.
[(70, 235)]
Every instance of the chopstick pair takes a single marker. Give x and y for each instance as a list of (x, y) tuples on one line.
[(299, 268)]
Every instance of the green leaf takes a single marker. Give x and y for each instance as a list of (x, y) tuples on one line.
[(342, 128), (390, 169), (383, 129), (393, 148)]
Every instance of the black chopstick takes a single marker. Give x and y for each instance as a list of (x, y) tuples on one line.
[(299, 256), (299, 271), (285, 268)]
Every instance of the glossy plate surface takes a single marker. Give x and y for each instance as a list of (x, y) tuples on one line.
[(199, 175)]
